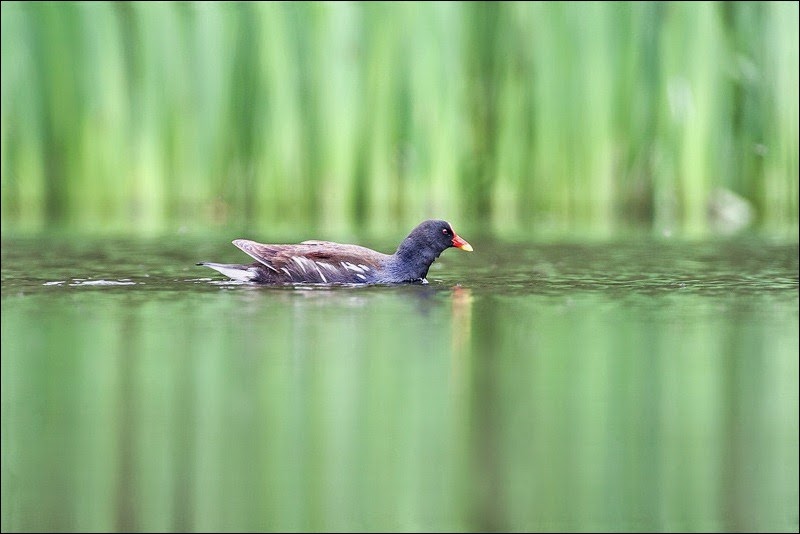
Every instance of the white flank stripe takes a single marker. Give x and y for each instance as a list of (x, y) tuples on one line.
[(328, 266), (299, 261), (363, 267), (322, 275), (361, 276), (351, 267)]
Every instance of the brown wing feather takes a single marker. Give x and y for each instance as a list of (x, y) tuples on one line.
[(315, 262)]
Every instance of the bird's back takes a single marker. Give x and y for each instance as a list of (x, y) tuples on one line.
[(315, 262)]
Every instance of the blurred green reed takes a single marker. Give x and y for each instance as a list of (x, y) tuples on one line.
[(150, 117)]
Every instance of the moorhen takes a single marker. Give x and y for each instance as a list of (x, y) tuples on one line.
[(324, 262)]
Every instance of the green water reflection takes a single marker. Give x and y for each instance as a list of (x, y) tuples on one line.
[(619, 387)]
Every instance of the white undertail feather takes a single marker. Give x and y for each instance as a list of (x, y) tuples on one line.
[(234, 272)]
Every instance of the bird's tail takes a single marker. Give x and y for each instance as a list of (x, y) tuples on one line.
[(242, 273)]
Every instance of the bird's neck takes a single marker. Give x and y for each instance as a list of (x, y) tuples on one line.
[(413, 262)]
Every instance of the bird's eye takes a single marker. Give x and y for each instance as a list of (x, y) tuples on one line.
[(445, 231)]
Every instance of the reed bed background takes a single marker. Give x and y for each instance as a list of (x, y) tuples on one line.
[(585, 118)]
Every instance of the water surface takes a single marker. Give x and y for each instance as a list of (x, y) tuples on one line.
[(635, 385)]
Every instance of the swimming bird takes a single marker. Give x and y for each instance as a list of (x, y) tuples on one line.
[(325, 262)]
